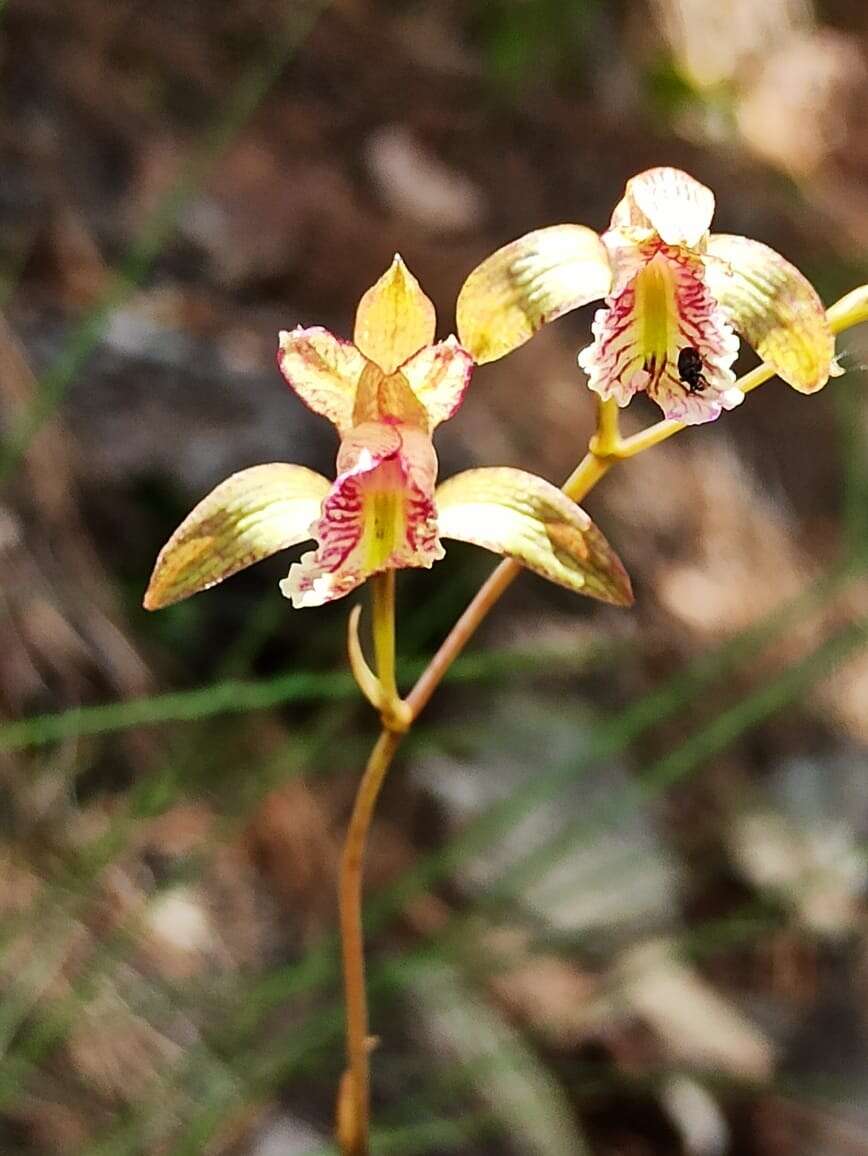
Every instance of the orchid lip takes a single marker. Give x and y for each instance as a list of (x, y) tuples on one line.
[(642, 332), (379, 514)]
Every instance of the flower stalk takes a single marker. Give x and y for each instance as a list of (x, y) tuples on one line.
[(607, 439), (606, 448), (384, 636), (354, 1092)]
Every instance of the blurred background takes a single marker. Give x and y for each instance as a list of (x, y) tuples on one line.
[(617, 887)]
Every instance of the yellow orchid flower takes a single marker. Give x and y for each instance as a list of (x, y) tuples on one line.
[(385, 392), (674, 297)]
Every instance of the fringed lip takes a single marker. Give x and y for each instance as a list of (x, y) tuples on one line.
[(664, 334), (379, 515)]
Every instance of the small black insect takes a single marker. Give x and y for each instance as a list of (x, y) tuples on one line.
[(690, 369)]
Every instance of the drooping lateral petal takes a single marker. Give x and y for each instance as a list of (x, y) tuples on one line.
[(439, 376), (323, 370), (526, 518), (394, 318), (250, 516), (528, 283), (677, 207), (775, 308), (379, 515)]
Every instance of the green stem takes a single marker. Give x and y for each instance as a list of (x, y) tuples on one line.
[(608, 436), (354, 1095), (384, 633)]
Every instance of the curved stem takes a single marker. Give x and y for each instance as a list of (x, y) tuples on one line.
[(354, 1096)]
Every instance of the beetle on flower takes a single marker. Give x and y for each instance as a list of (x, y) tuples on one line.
[(674, 295), (385, 392)]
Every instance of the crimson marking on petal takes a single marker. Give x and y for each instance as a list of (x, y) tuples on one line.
[(379, 515), (639, 334)]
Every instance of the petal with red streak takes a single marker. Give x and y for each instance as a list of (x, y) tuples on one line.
[(640, 333), (323, 370), (379, 515), (439, 376)]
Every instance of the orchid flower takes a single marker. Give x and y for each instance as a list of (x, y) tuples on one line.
[(674, 297), (385, 393)]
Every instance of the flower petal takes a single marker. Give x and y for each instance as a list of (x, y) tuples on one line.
[(323, 370), (247, 518), (528, 283), (524, 517), (439, 376), (379, 514), (677, 207), (775, 308), (394, 319), (649, 335)]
